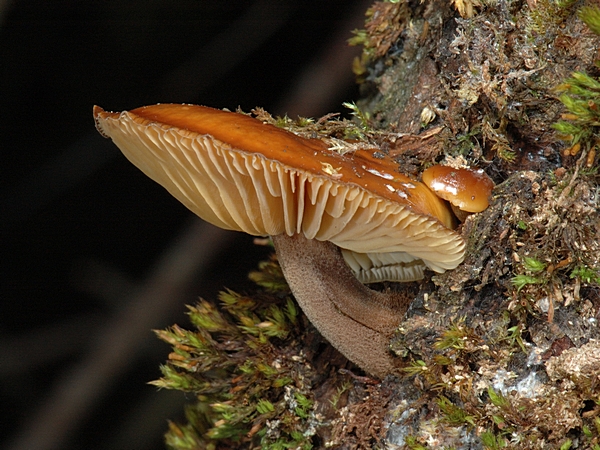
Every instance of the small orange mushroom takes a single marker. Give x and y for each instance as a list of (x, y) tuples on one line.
[(241, 174), (467, 190)]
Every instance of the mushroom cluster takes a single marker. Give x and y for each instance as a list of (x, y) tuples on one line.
[(325, 211)]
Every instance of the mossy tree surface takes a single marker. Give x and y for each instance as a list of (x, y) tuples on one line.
[(504, 351)]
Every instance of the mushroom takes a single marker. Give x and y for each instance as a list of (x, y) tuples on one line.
[(467, 190), (241, 174)]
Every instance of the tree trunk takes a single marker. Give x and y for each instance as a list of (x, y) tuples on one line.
[(503, 350)]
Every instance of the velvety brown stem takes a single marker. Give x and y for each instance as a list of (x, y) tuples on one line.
[(353, 318)]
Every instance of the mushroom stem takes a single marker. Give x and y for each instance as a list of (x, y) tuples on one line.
[(356, 320)]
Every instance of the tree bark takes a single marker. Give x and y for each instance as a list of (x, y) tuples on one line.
[(504, 349)]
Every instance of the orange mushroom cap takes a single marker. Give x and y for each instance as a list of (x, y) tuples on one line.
[(467, 189), (238, 173)]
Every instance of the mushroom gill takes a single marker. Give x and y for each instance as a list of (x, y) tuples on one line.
[(241, 174), (388, 225)]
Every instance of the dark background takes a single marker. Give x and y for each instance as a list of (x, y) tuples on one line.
[(93, 254)]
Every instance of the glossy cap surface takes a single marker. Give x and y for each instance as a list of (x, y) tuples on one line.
[(467, 189), (238, 173)]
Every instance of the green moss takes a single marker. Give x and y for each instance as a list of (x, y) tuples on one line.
[(335, 399), (591, 16), (497, 398), (184, 437), (384, 23), (363, 118), (236, 363), (454, 414), (533, 265), (515, 337), (497, 137), (586, 274), (457, 337), (580, 94), (415, 368), (566, 445), (492, 442), (591, 433), (548, 14), (520, 281), (534, 273), (413, 443), (270, 277)]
